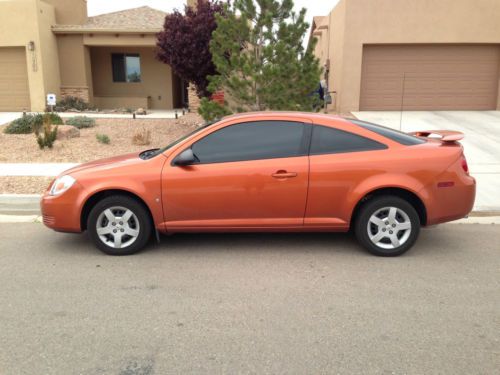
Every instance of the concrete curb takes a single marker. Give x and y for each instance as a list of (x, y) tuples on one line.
[(20, 204)]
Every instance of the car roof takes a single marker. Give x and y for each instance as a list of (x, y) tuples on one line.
[(298, 115)]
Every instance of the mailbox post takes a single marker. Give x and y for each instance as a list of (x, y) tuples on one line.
[(51, 101)]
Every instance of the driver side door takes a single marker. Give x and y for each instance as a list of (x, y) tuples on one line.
[(251, 175)]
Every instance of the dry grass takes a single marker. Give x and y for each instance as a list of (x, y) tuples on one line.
[(23, 148), (141, 137)]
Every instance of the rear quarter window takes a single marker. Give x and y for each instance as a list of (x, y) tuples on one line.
[(393, 135), (326, 140)]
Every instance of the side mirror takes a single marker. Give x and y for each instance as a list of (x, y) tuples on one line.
[(186, 157)]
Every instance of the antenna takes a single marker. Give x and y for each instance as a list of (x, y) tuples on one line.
[(402, 102)]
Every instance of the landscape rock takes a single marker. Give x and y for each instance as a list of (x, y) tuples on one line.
[(140, 111), (67, 132)]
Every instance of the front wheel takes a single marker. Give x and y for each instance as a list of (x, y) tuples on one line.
[(119, 225), (387, 226)]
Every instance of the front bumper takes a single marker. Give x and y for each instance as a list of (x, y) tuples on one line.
[(62, 212)]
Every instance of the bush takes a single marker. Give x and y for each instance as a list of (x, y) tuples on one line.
[(55, 119), (49, 135), (211, 110), (21, 125), (72, 103), (102, 138), (141, 137), (30, 123), (81, 122)]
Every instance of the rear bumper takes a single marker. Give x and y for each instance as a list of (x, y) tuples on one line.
[(62, 213), (451, 203)]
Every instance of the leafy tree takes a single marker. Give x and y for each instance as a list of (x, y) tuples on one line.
[(184, 43), (261, 62)]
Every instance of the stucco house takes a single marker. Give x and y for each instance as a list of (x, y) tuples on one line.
[(52, 46), (411, 55)]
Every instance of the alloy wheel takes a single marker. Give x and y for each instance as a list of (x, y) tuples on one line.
[(389, 227), (117, 227)]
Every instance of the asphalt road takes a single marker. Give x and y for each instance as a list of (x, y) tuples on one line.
[(250, 303)]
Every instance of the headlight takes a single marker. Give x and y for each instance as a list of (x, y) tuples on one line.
[(61, 185)]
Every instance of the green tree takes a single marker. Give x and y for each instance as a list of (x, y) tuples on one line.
[(257, 49)]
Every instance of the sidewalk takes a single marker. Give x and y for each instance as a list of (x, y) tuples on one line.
[(34, 169)]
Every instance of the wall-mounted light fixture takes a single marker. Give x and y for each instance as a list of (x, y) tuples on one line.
[(31, 48)]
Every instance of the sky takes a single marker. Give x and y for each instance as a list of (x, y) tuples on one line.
[(95, 7)]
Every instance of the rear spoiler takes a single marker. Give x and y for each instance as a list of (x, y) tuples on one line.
[(444, 135)]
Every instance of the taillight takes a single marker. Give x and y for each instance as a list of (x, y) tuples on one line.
[(465, 166)]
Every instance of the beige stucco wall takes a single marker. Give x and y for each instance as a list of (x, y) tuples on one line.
[(357, 22), (22, 21), (69, 12), (74, 62), (157, 78)]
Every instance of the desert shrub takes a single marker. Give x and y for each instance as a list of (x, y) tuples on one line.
[(29, 123), (72, 103), (24, 125), (141, 137), (21, 125), (102, 138), (55, 119), (81, 122), (46, 135)]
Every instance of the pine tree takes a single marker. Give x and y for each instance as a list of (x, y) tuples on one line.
[(257, 49)]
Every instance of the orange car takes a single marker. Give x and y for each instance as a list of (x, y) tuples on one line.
[(270, 171)]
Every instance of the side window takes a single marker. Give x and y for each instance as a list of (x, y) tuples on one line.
[(394, 135), (326, 140), (251, 141)]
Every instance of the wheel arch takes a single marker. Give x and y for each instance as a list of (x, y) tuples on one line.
[(402, 193), (98, 196)]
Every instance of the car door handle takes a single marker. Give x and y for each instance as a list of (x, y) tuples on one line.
[(284, 174)]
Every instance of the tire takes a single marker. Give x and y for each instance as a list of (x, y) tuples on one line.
[(114, 236), (387, 226)]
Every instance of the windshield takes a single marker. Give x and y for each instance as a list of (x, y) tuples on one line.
[(161, 150)]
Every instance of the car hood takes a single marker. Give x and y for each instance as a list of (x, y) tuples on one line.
[(105, 164)]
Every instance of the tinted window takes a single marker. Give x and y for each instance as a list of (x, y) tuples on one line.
[(394, 135), (126, 67), (327, 140), (251, 141)]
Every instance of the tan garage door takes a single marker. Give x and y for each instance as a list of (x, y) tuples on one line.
[(14, 91), (432, 77)]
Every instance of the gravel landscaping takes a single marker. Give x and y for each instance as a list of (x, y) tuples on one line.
[(24, 185), (22, 148)]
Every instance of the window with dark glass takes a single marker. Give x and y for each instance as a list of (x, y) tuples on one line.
[(326, 140), (126, 67), (394, 135), (251, 141)]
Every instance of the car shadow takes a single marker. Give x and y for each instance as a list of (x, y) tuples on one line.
[(277, 243)]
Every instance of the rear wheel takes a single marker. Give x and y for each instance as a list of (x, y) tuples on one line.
[(119, 225), (387, 226)]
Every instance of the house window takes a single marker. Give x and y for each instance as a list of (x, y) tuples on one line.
[(126, 67)]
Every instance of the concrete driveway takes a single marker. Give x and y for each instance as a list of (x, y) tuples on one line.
[(481, 143)]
